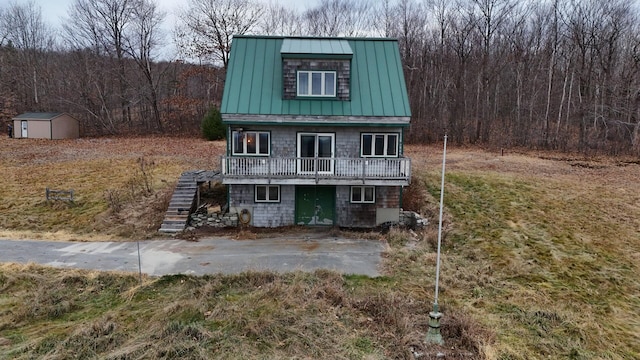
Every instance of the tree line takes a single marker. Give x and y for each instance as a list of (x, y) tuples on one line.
[(555, 74)]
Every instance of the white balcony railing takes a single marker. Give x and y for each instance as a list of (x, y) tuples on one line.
[(318, 168)]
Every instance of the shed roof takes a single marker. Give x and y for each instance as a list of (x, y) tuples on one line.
[(38, 116), (254, 84)]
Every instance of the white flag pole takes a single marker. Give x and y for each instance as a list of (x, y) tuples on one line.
[(433, 335)]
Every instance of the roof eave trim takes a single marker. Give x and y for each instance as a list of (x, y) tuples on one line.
[(316, 37), (312, 120), (317, 56)]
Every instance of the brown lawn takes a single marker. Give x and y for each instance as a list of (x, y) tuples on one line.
[(541, 251)]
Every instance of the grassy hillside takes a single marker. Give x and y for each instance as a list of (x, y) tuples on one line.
[(544, 251), (541, 257), (122, 185)]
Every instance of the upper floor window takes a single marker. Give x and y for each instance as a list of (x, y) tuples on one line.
[(316, 83), (251, 143), (382, 145)]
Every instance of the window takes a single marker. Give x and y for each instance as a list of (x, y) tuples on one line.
[(363, 194), (383, 145), (250, 143), (316, 83), (267, 193), (315, 153)]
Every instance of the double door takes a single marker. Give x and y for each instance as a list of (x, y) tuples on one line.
[(315, 205), (315, 153)]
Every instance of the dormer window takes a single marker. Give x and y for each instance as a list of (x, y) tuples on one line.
[(316, 69), (317, 83)]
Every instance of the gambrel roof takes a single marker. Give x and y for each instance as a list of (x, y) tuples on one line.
[(254, 83)]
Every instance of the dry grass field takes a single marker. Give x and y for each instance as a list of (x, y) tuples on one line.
[(544, 249), (112, 201), (541, 260)]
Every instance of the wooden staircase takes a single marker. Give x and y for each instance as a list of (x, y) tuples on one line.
[(181, 204), (184, 199)]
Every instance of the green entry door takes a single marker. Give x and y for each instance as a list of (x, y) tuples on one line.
[(315, 205)]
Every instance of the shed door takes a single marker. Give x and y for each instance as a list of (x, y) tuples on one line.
[(315, 205), (23, 126)]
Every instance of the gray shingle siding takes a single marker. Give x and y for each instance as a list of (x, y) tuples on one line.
[(363, 215), (284, 144), (290, 69), (264, 214), (283, 213), (347, 140)]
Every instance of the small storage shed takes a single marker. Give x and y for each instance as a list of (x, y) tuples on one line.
[(45, 126)]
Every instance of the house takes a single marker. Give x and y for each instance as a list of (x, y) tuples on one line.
[(45, 126), (315, 131)]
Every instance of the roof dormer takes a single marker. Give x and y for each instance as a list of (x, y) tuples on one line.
[(315, 68)]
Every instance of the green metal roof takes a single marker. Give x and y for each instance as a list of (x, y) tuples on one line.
[(254, 83), (295, 47), (38, 116)]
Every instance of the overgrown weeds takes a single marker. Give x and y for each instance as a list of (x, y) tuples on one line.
[(321, 314), (415, 196), (115, 199), (139, 185)]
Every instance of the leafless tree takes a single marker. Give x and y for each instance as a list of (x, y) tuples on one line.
[(22, 25), (492, 16), (280, 20), (102, 25), (410, 30), (207, 27), (143, 40), (23, 29), (338, 18), (596, 33), (383, 17), (558, 74)]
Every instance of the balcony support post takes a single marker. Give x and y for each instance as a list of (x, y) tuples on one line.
[(364, 170)]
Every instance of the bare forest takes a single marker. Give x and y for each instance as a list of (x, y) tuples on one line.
[(556, 74)]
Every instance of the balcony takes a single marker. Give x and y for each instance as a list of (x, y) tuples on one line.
[(320, 171)]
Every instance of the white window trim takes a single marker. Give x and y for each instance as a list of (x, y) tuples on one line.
[(373, 144), (267, 200), (244, 143), (362, 201), (323, 91)]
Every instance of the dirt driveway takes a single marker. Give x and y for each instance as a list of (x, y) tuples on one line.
[(304, 252)]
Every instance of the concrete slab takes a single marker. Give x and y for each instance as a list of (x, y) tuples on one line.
[(206, 256)]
